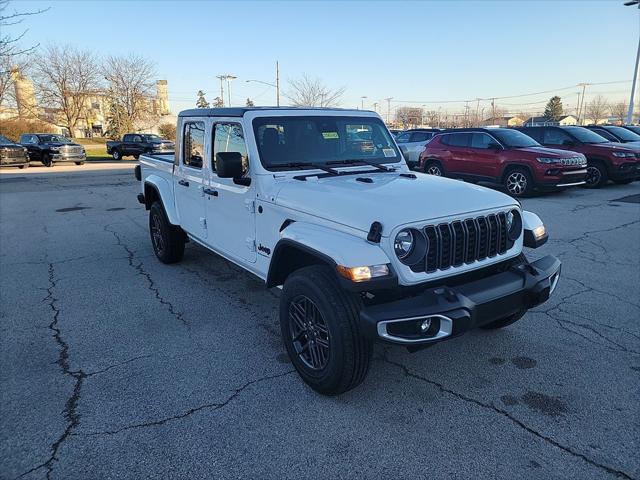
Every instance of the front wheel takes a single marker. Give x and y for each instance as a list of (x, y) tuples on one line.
[(596, 175), (518, 182), (79, 163), (116, 154), (319, 322), (46, 161), (167, 240), (26, 165)]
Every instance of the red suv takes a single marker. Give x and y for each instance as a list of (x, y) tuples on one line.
[(502, 156), (619, 162)]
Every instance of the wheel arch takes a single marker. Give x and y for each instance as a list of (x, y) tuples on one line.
[(158, 189), (508, 168)]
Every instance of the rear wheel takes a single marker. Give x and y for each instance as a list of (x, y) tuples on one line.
[(319, 322), (116, 154), (79, 163), (504, 322), (167, 240), (433, 167), (46, 160), (26, 165), (518, 182), (597, 175)]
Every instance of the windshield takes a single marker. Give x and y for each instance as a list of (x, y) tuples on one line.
[(152, 138), (5, 141), (633, 128), (53, 139), (514, 138), (624, 134), (322, 139), (585, 135)]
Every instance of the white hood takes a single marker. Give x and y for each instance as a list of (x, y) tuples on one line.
[(390, 199)]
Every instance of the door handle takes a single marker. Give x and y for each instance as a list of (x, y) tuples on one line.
[(184, 183), (211, 191)]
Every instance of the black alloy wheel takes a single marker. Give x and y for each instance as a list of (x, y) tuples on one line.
[(309, 333)]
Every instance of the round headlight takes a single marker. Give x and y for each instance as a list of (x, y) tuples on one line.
[(514, 225), (403, 244)]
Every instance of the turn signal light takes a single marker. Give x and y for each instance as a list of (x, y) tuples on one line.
[(539, 232), (362, 274)]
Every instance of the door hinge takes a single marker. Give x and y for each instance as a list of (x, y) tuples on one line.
[(251, 205), (203, 222), (251, 244)]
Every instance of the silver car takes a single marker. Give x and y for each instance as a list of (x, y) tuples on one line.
[(412, 143)]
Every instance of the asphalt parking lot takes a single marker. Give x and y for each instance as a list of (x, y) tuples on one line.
[(117, 366)]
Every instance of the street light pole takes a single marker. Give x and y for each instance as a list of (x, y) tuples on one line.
[(362, 102), (228, 78), (277, 84), (221, 78), (635, 70), (388, 108)]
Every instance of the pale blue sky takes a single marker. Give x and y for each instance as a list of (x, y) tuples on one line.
[(415, 51)]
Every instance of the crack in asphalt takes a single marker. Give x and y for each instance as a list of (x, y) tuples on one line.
[(151, 283), (207, 406), (70, 408), (509, 416)]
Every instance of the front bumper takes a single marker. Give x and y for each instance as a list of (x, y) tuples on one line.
[(68, 157), (453, 311), (13, 162), (555, 178), (626, 171)]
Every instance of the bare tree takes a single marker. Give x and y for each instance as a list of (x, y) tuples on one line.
[(6, 80), (10, 43), (409, 116), (312, 92), (619, 111), (130, 93), (597, 109), (66, 79)]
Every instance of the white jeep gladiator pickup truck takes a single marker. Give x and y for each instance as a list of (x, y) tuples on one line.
[(320, 203)]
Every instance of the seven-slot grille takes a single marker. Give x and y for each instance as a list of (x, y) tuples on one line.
[(574, 161), (463, 241)]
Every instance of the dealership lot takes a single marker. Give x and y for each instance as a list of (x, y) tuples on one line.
[(114, 365)]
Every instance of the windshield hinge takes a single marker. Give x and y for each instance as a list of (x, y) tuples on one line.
[(251, 205), (251, 244)]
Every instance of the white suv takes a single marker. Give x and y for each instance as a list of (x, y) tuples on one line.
[(320, 203)]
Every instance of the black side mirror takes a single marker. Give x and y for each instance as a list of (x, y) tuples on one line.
[(229, 164), (494, 146), (569, 143)]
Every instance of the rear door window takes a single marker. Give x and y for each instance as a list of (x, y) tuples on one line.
[(459, 139), (193, 144), (403, 138), (420, 136), (481, 140), (229, 137), (555, 136)]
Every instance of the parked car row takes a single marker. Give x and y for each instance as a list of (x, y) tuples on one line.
[(135, 144), (527, 159)]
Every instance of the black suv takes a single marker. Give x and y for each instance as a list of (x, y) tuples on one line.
[(614, 133), (50, 148), (12, 154), (136, 144)]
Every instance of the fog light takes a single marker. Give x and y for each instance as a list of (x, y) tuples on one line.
[(424, 326)]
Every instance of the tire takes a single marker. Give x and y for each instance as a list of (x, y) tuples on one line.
[(597, 175), (79, 163), (26, 165), (136, 157), (330, 353), (46, 161), (434, 167), (167, 240), (624, 181), (518, 182), (504, 322), (115, 153)]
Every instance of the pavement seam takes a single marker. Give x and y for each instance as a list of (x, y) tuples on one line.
[(151, 283), (207, 406), (504, 413)]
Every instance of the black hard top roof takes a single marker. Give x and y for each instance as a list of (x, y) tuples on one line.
[(240, 111), (474, 129)]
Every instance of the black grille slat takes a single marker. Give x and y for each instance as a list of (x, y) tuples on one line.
[(464, 241)]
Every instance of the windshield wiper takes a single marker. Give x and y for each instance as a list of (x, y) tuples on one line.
[(307, 166), (384, 168)]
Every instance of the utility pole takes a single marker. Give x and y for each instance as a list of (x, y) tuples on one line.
[(375, 107), (362, 102), (477, 112), (229, 77), (221, 78), (635, 70), (277, 84), (584, 86), (388, 108)]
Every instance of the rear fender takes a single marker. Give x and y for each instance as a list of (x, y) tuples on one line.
[(158, 188)]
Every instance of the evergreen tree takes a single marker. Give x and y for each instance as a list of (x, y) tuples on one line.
[(218, 102), (553, 110), (250, 103), (201, 102)]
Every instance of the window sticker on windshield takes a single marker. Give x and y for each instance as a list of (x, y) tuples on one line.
[(330, 135), (389, 152)]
